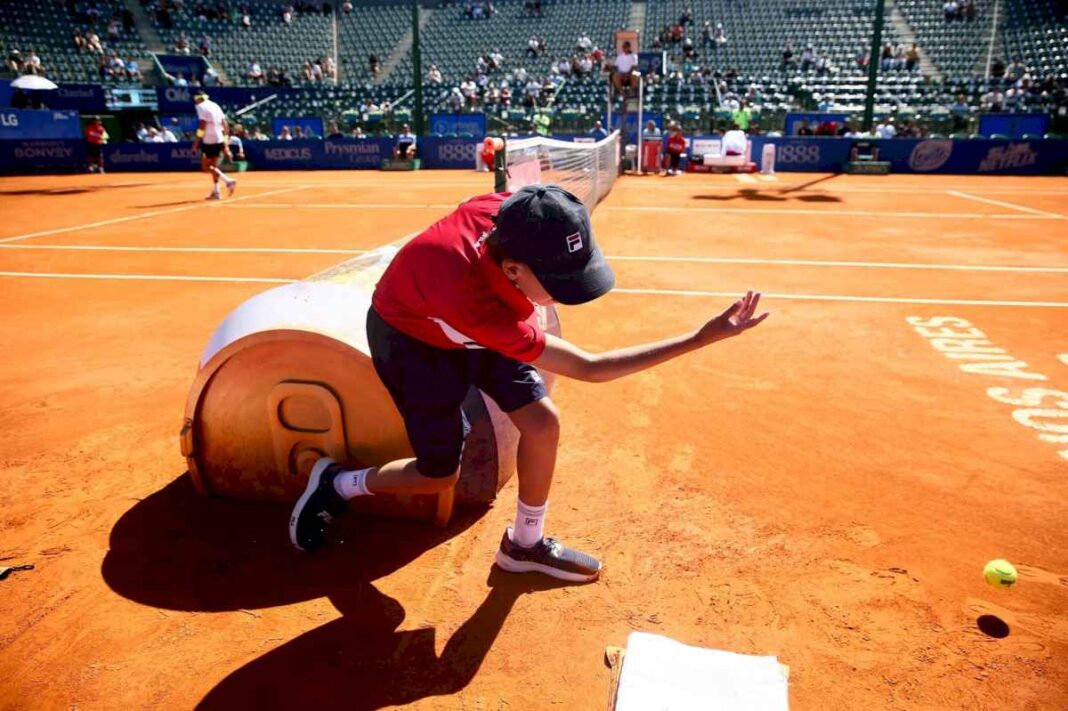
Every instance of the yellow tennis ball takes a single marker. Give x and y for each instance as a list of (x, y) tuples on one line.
[(1000, 573)]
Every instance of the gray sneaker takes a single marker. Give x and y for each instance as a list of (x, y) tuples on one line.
[(548, 556)]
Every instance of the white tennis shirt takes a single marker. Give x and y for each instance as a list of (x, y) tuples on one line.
[(213, 116)]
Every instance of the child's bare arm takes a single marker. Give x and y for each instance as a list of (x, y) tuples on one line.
[(569, 360)]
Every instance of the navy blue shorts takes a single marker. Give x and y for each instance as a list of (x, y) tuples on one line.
[(211, 150), (429, 384)]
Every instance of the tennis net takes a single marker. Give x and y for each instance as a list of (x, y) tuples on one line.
[(587, 170)]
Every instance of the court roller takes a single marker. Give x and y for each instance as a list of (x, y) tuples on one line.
[(287, 378)]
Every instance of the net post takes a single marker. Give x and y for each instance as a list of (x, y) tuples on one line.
[(500, 167), (608, 114), (337, 66), (596, 176), (641, 124), (873, 65)]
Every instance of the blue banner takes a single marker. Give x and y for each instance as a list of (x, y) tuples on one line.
[(20, 123), (934, 156), (475, 124), (978, 157), (120, 157), (356, 152), (189, 65), (33, 156), (1014, 125), (86, 98), (912, 155), (651, 63), (6, 92), (449, 152)]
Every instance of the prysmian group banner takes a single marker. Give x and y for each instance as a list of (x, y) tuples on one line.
[(22, 123)]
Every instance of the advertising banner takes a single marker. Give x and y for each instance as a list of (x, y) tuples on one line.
[(825, 155), (1014, 125), (42, 156), (449, 152), (475, 124), (84, 98), (21, 123)]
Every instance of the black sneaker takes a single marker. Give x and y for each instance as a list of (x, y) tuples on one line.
[(548, 556), (317, 506)]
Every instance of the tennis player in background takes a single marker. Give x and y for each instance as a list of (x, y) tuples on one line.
[(212, 133), (458, 307)]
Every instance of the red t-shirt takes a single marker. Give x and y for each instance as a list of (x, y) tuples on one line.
[(94, 133), (444, 289), (676, 144)]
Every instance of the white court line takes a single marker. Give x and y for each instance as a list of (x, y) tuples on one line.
[(767, 178), (145, 215), (681, 209), (340, 184), (831, 213), (614, 258), (861, 299), (822, 263), (349, 206), (826, 187), (654, 292), (1009, 205), (210, 250), (149, 277)]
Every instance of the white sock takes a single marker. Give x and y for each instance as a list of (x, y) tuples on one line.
[(351, 484), (215, 188), (529, 524), (222, 175)]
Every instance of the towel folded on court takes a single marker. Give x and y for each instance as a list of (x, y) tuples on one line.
[(660, 674)]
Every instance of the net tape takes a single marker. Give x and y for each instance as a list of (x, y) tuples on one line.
[(588, 170)]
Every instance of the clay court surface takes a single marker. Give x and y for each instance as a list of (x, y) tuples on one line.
[(826, 488)]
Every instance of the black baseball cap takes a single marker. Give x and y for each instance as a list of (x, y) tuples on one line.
[(548, 229)]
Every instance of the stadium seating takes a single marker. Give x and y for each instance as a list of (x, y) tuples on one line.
[(747, 67), (453, 41), (48, 27), (1034, 34), (757, 31), (957, 47)]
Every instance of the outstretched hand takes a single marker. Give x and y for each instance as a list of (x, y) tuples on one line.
[(737, 319)]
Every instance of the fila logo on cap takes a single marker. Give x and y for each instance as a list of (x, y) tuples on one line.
[(574, 242)]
